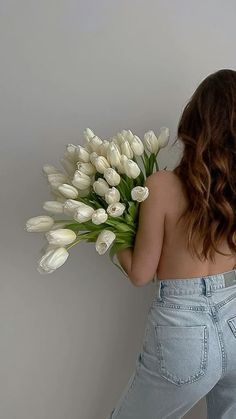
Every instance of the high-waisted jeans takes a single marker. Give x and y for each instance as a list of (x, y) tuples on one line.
[(188, 351)]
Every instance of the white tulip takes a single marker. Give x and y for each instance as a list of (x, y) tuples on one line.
[(49, 169), (137, 146), (81, 180), (127, 135), (88, 134), (68, 165), (100, 186), (118, 139), (82, 154), (116, 209), (123, 160), (103, 148), (120, 167), (95, 143), (52, 260), (68, 191), (87, 168), (113, 154), (61, 236), (163, 138), (71, 152), (56, 179), (53, 206), (39, 224), (111, 176), (151, 142), (131, 168), (139, 193), (101, 164), (70, 205), (104, 240), (93, 156), (112, 195), (83, 213), (126, 149), (99, 216)]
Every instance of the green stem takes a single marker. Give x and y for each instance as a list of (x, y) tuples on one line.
[(73, 244)]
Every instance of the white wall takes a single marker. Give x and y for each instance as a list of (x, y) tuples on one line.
[(69, 340)]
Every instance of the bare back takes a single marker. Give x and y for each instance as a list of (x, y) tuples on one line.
[(175, 260)]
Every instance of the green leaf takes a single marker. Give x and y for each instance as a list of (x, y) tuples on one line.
[(133, 209)]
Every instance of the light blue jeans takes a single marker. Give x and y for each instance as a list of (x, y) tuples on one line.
[(188, 352)]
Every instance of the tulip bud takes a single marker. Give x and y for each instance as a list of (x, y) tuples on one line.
[(95, 143), (52, 260), (112, 195), (83, 213), (111, 176), (151, 142), (39, 224), (118, 139), (71, 152), (120, 167), (68, 191), (70, 205), (137, 146), (103, 148), (87, 168), (82, 154), (101, 164), (126, 149), (81, 180), (139, 193), (53, 206), (131, 168), (56, 179), (163, 137), (116, 209), (61, 236), (113, 154), (104, 240), (93, 156), (99, 216), (88, 134), (100, 186), (127, 135)]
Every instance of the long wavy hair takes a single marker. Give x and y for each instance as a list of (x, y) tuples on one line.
[(207, 168)]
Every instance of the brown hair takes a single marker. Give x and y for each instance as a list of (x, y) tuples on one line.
[(207, 129)]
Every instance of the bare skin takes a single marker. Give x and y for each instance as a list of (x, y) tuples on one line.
[(175, 261)]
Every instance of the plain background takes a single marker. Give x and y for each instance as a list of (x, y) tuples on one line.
[(69, 340)]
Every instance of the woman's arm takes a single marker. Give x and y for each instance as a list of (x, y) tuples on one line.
[(141, 261)]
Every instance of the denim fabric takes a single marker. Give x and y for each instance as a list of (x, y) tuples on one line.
[(188, 352)]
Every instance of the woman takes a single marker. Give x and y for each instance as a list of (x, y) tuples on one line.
[(187, 238)]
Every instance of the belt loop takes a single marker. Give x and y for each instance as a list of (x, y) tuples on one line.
[(208, 290), (159, 289)]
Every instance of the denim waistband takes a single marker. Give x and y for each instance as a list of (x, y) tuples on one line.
[(199, 284)]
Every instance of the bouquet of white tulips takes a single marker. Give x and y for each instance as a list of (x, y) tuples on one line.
[(98, 194)]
